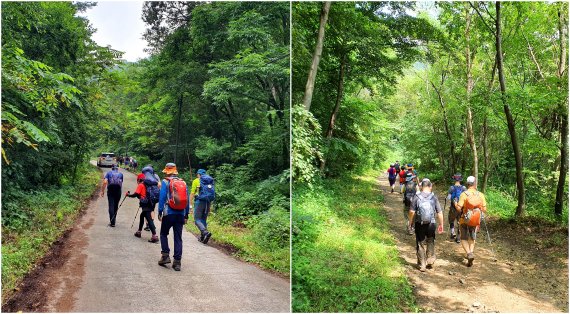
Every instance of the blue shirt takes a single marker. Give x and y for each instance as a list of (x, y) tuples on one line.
[(114, 187), (163, 200)]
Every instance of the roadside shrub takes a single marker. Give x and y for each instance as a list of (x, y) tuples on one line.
[(272, 228)]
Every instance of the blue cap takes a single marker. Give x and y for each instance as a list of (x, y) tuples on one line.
[(201, 171)]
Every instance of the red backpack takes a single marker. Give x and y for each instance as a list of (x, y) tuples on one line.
[(177, 193)]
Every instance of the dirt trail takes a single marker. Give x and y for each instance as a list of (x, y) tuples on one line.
[(516, 282), (96, 268)]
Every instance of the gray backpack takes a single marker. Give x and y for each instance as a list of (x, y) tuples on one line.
[(425, 209)]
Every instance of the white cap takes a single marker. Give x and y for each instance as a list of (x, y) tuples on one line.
[(470, 180)]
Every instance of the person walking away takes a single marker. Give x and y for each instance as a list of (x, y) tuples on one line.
[(127, 162), (423, 211), (174, 204), (392, 173), (471, 203), (202, 194), (397, 166), (148, 171), (413, 171), (148, 195), (135, 164), (453, 196), (120, 160), (410, 190), (402, 175), (113, 181)]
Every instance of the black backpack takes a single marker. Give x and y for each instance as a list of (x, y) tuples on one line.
[(410, 192)]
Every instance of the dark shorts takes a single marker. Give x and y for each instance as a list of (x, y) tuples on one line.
[(468, 233)]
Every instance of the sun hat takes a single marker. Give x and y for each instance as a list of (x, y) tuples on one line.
[(457, 177), (170, 168)]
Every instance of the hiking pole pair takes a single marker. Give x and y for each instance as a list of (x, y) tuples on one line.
[(488, 236)]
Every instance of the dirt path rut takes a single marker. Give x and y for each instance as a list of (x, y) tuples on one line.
[(104, 269), (509, 284)]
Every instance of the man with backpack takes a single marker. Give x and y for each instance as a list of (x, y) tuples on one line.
[(147, 171), (174, 204), (397, 165), (402, 175), (148, 194), (471, 203), (410, 189), (392, 173), (425, 206), (453, 195), (202, 194), (113, 181)]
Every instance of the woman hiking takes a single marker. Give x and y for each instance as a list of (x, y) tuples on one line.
[(392, 173), (147, 207)]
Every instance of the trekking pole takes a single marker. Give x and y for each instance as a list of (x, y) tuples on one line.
[(115, 216), (489, 237), (135, 217)]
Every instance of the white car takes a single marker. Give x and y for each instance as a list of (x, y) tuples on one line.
[(106, 160)]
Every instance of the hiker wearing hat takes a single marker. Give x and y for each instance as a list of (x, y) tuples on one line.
[(113, 181), (413, 171), (392, 174), (147, 195), (423, 211), (201, 195), (471, 203), (402, 175), (453, 195), (410, 190), (173, 209)]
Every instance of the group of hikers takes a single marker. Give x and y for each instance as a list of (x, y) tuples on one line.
[(175, 203), (130, 162), (422, 210)]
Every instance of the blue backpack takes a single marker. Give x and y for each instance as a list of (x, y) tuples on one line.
[(151, 184), (116, 178), (207, 190), (456, 192)]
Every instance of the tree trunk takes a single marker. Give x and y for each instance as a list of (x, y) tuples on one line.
[(563, 111), (447, 130), (339, 95), (470, 85), (307, 98), (486, 156), (510, 122)]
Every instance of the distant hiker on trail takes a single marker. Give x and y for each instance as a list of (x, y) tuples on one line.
[(120, 160), (113, 180), (392, 173), (397, 165), (202, 194), (425, 206), (173, 195), (471, 203), (410, 189), (453, 195), (402, 175), (135, 164), (127, 162), (148, 194)]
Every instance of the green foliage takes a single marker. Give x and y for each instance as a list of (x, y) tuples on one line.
[(306, 152), (272, 229), (32, 221), (344, 257)]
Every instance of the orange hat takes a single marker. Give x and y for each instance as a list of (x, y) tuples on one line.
[(170, 168)]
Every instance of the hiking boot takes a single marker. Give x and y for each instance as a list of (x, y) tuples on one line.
[(457, 239), (164, 259), (423, 268), (153, 239), (111, 225), (206, 238), (176, 265), (138, 234), (470, 258)]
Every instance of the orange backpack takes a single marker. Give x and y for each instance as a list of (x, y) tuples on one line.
[(177, 193), (472, 209)]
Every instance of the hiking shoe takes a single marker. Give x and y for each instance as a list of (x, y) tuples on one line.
[(147, 228), (164, 259), (457, 240), (153, 239), (111, 225), (138, 234), (423, 268), (206, 238), (470, 258), (176, 265)]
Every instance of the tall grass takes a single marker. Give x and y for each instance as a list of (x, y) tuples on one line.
[(344, 257)]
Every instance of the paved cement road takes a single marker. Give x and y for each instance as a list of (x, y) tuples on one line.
[(113, 271)]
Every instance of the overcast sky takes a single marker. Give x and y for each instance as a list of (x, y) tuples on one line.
[(120, 26)]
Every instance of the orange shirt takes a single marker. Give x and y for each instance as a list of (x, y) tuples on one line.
[(141, 190)]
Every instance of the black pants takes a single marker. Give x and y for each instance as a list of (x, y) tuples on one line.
[(149, 221), (114, 197), (425, 242)]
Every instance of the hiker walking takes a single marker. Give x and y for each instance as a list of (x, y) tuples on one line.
[(397, 165), (392, 173), (148, 170), (425, 206), (135, 164), (413, 171), (471, 203), (402, 175), (174, 205), (148, 194), (453, 196), (409, 190), (202, 194), (113, 181)]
